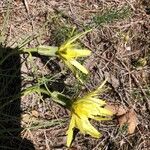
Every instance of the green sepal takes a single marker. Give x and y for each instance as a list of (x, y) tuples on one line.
[(47, 50), (43, 50), (61, 99)]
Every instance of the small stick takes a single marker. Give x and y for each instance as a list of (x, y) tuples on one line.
[(26, 6)]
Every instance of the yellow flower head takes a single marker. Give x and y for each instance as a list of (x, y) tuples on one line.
[(89, 106), (69, 51)]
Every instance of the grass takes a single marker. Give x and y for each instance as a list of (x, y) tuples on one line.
[(112, 15), (22, 77)]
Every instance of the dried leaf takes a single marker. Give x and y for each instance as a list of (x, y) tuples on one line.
[(130, 119), (35, 113), (124, 116), (112, 79), (26, 118), (116, 109)]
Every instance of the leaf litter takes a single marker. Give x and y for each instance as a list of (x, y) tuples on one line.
[(125, 116)]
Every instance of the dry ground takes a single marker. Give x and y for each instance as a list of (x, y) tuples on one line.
[(120, 45)]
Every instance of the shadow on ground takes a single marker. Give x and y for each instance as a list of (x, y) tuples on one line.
[(10, 111)]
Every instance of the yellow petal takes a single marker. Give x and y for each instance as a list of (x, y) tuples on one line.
[(101, 86), (98, 90), (86, 107), (73, 69), (83, 111), (70, 131), (104, 112), (79, 124), (89, 109), (79, 66), (70, 66), (96, 100), (74, 38), (74, 53), (100, 118), (85, 127)]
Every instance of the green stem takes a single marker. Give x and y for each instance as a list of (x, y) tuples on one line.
[(42, 50)]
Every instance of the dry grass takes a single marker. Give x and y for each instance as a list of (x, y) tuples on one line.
[(118, 43)]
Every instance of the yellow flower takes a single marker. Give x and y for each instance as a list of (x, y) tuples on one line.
[(89, 106), (69, 51)]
